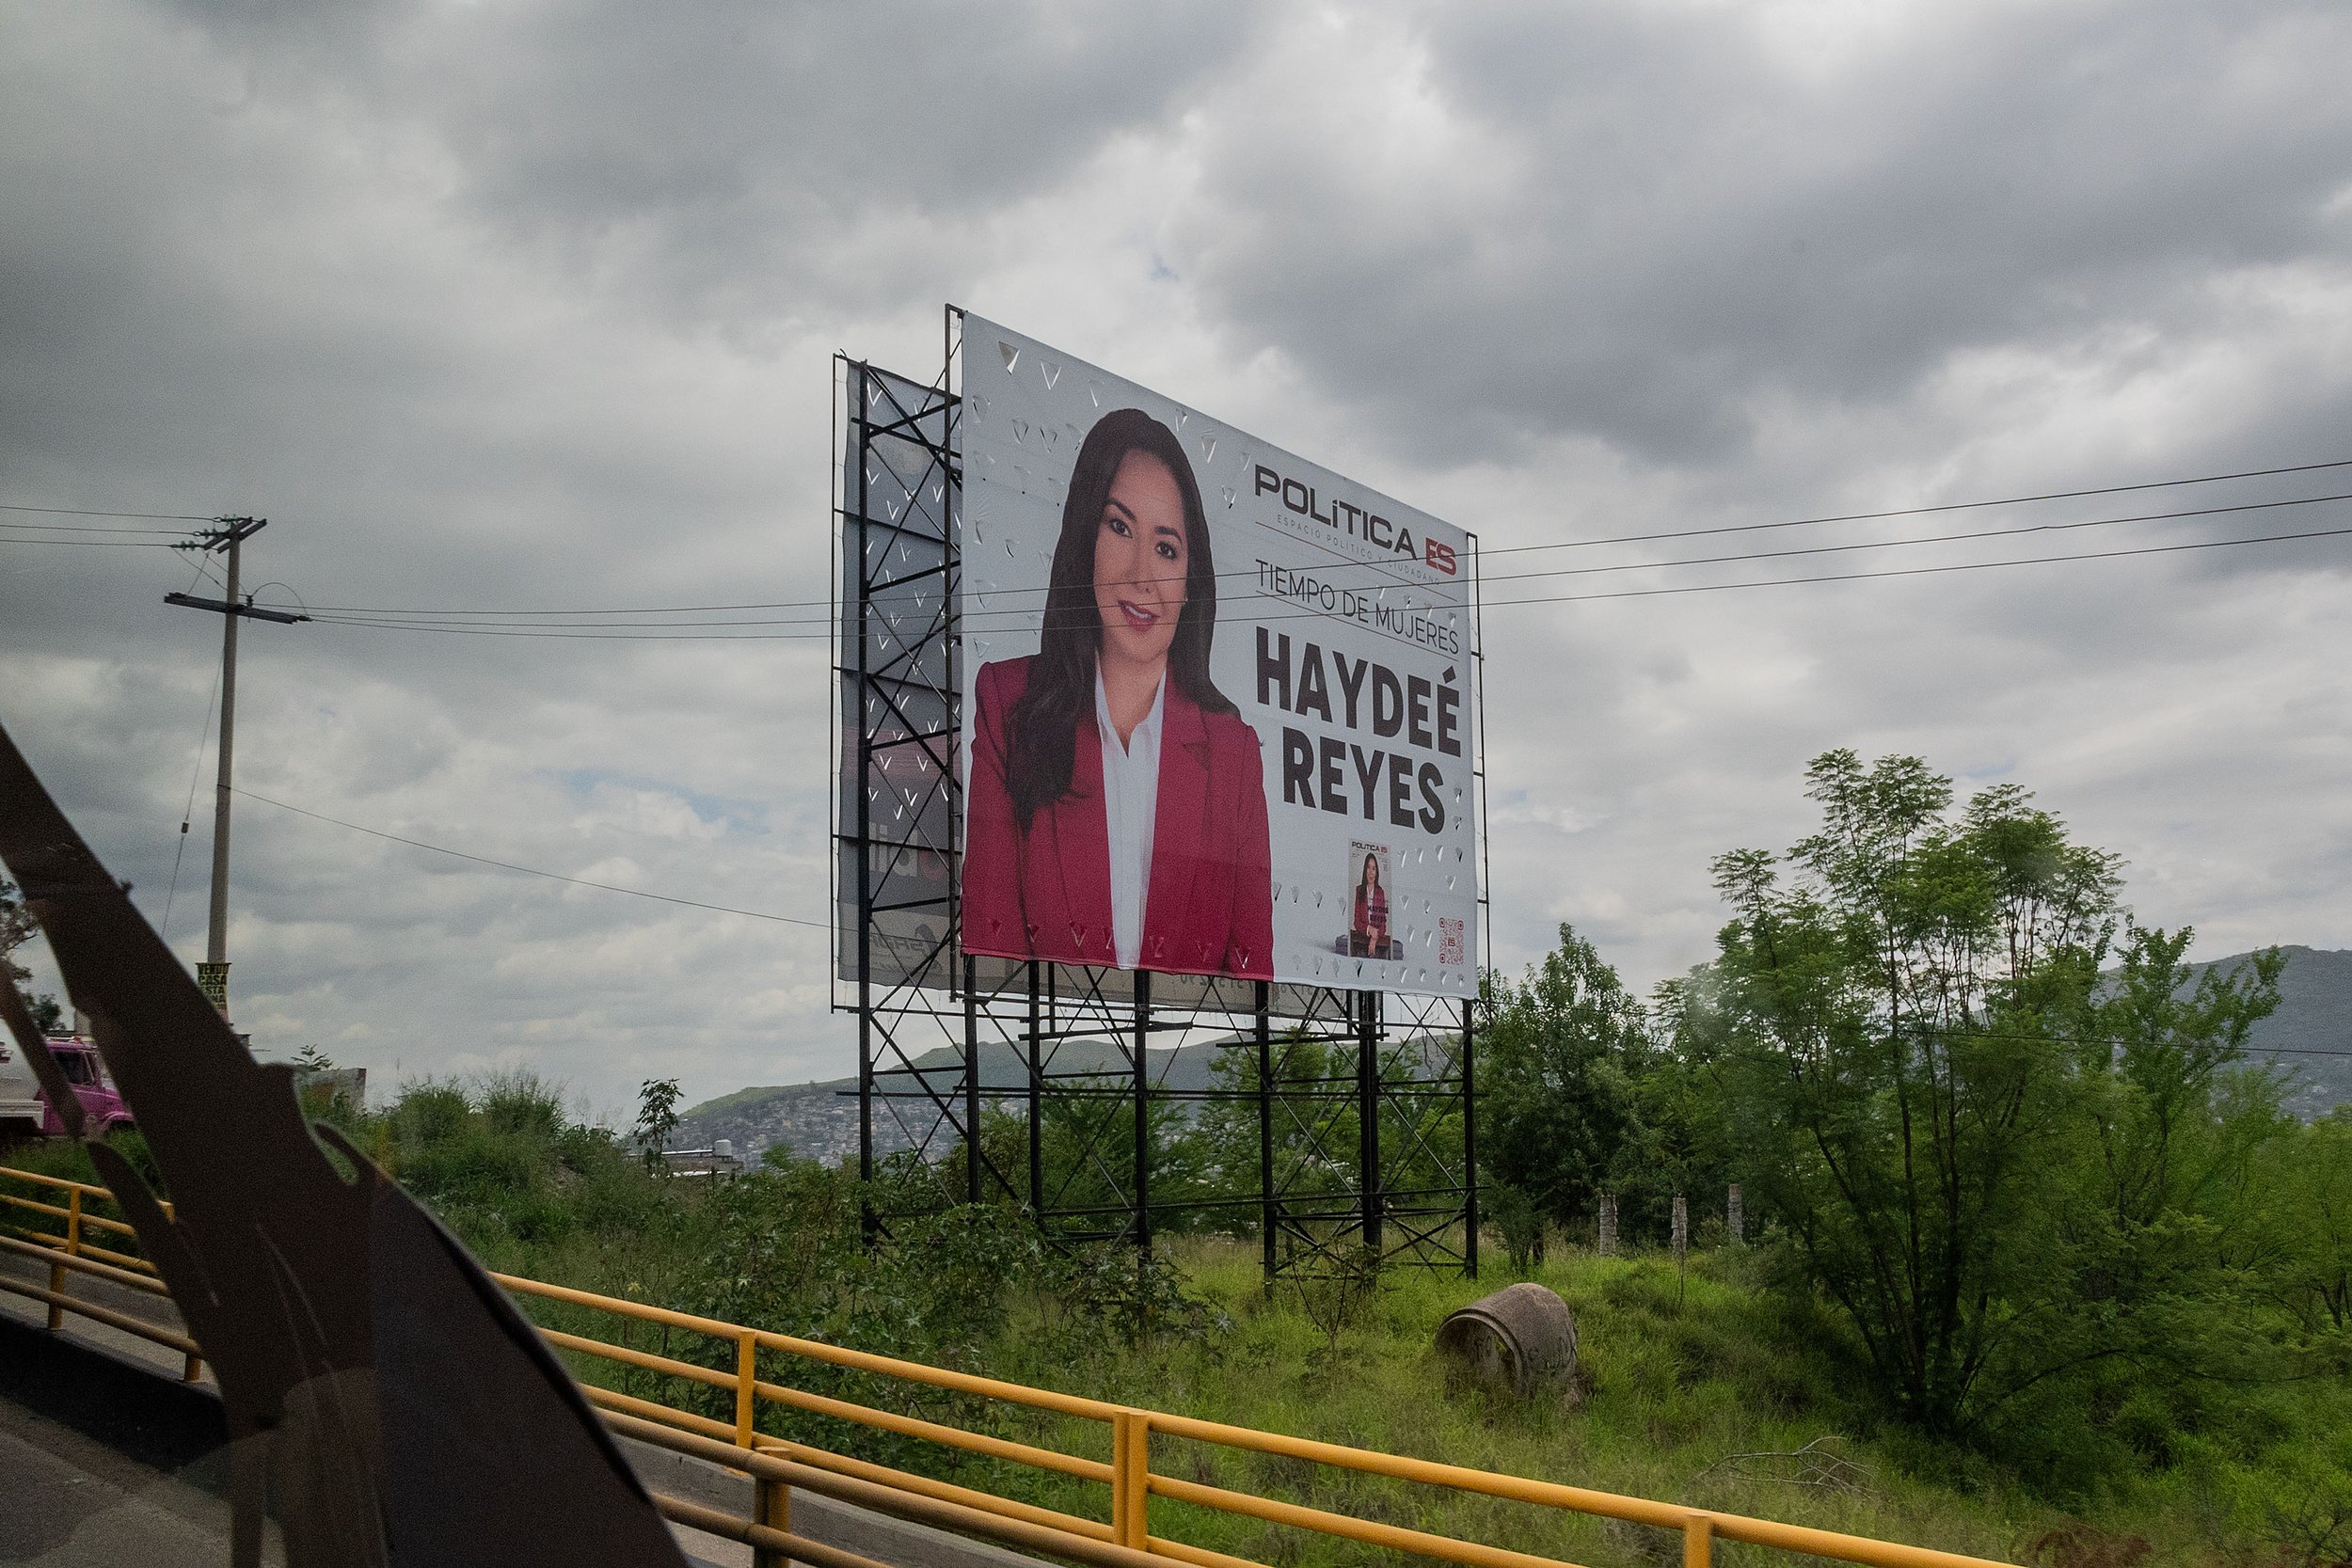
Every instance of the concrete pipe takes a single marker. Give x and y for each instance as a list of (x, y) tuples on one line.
[(1523, 1335)]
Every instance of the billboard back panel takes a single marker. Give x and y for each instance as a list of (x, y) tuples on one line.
[(1217, 715)]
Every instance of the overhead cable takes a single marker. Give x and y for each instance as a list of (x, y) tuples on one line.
[(87, 512), (1569, 544), (532, 871), (96, 544), (90, 528), (641, 635), (424, 620), (1556, 545), (1923, 511), (187, 813)]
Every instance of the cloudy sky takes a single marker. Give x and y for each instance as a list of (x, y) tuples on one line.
[(531, 305)]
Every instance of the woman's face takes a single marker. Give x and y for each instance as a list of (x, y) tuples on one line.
[(1139, 560), (1371, 872)]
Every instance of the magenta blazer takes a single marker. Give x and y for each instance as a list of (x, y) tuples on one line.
[(1209, 909)]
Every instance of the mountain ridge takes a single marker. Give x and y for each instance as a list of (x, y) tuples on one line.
[(818, 1119)]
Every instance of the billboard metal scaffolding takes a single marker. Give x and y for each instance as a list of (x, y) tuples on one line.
[(1331, 1119)]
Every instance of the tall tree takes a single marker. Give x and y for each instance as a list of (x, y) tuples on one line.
[(1560, 1060), (17, 928), (1953, 1118), (2301, 1225)]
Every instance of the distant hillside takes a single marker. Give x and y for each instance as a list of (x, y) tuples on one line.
[(2314, 1015), (820, 1120)]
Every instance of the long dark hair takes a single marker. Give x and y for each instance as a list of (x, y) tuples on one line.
[(1042, 730), (1371, 878)]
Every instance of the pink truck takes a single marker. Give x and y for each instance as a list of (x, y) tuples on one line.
[(25, 1109)]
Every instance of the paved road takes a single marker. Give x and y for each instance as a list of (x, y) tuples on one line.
[(70, 1501), (105, 1462), (106, 1458)]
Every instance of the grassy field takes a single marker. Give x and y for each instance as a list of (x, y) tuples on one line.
[(1679, 1373), (1694, 1385)]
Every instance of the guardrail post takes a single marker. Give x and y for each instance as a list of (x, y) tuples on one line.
[(72, 1249), (746, 1379), (771, 1505), (1698, 1541), (1131, 1478)]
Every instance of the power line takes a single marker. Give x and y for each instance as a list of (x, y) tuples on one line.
[(1898, 544), (420, 620), (642, 634), (187, 813), (97, 544), (424, 620), (196, 768), (533, 871), (1509, 549), (1923, 511), (83, 512), (88, 527), (1930, 571), (1557, 545)]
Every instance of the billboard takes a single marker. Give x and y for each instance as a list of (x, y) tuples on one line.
[(1217, 710)]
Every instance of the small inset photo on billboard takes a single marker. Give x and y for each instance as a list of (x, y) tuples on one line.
[(1367, 903)]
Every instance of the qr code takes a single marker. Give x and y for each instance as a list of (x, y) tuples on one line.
[(1449, 941)]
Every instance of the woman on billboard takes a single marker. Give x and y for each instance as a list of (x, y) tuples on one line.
[(1116, 808)]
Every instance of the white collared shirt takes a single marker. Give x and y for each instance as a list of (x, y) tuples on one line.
[(1131, 804)]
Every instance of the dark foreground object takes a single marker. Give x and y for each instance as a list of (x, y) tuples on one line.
[(107, 1462), (383, 1400)]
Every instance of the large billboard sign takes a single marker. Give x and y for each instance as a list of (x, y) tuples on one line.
[(1217, 701)]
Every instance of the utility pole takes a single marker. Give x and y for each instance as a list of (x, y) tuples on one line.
[(227, 536)]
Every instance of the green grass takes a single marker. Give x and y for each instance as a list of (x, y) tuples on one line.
[(1680, 1372), (1675, 1374)]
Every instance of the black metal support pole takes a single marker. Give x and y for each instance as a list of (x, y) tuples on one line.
[(1368, 1111), (869, 1221), (1469, 1139), (971, 1080), (1143, 1111), (897, 676), (1270, 1216), (1036, 1086)]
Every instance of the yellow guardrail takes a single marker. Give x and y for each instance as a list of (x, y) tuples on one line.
[(72, 1255), (777, 1465)]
